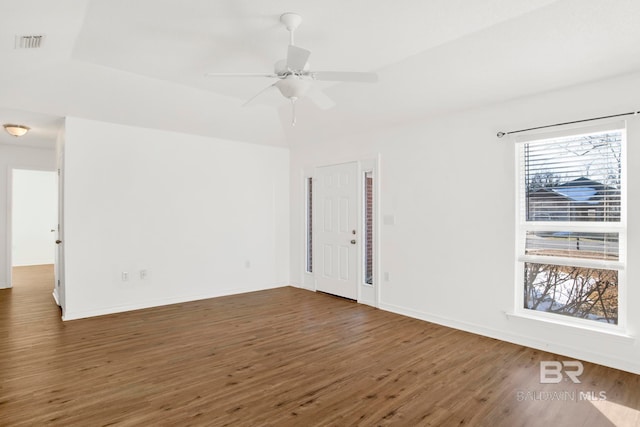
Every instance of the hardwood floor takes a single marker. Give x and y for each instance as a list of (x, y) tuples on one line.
[(282, 357)]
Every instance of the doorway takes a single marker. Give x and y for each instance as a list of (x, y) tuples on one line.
[(33, 225)]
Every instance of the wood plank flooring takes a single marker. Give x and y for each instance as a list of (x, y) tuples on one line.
[(282, 357)]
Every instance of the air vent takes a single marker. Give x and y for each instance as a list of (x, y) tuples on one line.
[(29, 42)]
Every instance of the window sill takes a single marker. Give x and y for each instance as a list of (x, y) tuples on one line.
[(618, 334)]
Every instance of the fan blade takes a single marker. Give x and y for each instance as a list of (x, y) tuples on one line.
[(258, 94), (345, 76), (297, 58), (271, 75), (320, 98)]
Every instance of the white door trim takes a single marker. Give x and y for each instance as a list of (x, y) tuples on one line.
[(370, 294), (9, 225)]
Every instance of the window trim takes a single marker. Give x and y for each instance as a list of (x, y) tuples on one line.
[(620, 227)]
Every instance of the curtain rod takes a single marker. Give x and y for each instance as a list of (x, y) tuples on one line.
[(501, 134)]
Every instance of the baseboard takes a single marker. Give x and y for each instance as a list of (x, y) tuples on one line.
[(82, 314), (301, 286), (564, 350), (37, 264)]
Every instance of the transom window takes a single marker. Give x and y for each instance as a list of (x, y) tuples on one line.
[(571, 225)]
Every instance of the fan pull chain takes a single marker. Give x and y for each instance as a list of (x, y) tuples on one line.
[(293, 111)]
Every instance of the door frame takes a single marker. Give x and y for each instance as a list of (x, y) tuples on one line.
[(59, 288), (366, 294)]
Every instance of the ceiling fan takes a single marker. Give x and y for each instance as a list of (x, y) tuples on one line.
[(295, 79)]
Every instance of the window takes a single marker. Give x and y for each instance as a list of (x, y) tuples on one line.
[(368, 228), (309, 224), (571, 225)]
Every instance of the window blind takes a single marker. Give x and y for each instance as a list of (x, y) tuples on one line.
[(573, 178)]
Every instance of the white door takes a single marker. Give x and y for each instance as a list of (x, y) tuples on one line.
[(336, 232)]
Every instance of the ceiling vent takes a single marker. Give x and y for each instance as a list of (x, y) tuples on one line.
[(29, 42)]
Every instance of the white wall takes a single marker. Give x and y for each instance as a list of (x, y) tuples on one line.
[(204, 217), (16, 157), (34, 215), (449, 183)]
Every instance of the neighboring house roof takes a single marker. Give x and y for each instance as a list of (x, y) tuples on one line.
[(582, 190), (578, 194)]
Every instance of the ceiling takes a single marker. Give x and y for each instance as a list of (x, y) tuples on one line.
[(143, 62)]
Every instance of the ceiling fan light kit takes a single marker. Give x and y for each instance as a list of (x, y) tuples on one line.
[(293, 87), (293, 74)]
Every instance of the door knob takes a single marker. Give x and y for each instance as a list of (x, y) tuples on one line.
[(58, 242), (353, 242)]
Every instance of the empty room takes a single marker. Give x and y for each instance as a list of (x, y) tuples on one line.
[(296, 213)]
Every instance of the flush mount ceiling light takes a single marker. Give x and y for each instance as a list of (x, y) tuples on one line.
[(16, 130)]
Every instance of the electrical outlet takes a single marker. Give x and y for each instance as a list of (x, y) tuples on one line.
[(247, 264), (143, 274), (125, 276)]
